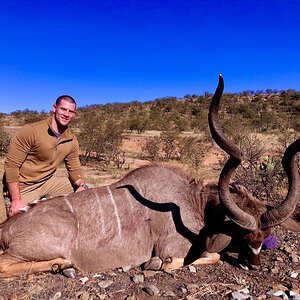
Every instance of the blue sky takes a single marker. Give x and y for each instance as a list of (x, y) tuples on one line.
[(119, 51)]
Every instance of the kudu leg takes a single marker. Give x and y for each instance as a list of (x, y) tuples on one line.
[(178, 262), (11, 267)]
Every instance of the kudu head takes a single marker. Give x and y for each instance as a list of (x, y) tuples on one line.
[(248, 219)]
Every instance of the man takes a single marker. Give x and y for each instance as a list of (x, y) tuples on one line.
[(34, 154)]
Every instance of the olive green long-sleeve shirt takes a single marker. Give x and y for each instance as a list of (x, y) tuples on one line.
[(35, 153)]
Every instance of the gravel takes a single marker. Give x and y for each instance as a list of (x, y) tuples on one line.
[(277, 278)]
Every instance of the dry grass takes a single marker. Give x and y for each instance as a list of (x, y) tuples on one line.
[(132, 143)]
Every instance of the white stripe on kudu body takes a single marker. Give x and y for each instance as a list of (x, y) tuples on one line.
[(116, 213), (72, 210), (69, 204), (100, 211)]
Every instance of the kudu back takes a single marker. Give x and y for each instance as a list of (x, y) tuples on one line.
[(154, 211)]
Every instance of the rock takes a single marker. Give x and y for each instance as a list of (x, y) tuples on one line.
[(70, 272), (151, 290), (277, 295), (168, 294), (240, 296), (275, 270), (261, 297), (192, 288), (281, 294), (293, 295), (294, 258), (287, 249), (111, 273), (183, 289), (125, 269), (138, 278), (244, 290), (99, 276), (192, 269), (149, 273), (56, 296), (83, 280), (154, 263), (293, 274), (191, 297), (105, 283)]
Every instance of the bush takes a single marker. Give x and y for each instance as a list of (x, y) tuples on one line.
[(4, 141), (262, 174), (192, 151), (100, 141), (151, 149)]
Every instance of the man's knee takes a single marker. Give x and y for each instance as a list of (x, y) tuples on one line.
[(57, 186)]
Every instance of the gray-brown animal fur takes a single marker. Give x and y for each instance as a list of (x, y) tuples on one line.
[(112, 226), (153, 211)]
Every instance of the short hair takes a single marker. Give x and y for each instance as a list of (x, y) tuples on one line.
[(66, 98)]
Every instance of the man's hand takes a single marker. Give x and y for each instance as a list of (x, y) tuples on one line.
[(15, 197), (15, 206), (80, 189), (81, 185)]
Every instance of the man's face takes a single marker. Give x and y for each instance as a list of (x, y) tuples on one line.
[(64, 113)]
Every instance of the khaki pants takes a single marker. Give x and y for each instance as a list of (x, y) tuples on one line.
[(53, 187), (3, 214)]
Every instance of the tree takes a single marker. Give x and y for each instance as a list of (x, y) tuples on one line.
[(137, 123), (192, 151), (261, 173), (100, 140), (169, 144), (151, 148)]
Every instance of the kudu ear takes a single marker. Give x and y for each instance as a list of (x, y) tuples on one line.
[(291, 224), (217, 242), (221, 238)]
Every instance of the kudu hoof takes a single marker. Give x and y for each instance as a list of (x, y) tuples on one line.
[(55, 268)]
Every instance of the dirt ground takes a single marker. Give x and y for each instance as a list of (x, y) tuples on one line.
[(216, 281)]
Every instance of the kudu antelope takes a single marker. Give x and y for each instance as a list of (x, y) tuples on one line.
[(154, 211)]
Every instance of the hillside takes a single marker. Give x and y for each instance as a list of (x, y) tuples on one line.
[(261, 111)]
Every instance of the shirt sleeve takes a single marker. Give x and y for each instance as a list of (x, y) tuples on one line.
[(20, 145), (73, 163)]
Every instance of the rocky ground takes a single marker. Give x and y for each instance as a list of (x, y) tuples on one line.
[(277, 277)]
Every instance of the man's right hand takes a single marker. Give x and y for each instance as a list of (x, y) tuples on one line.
[(15, 207), (15, 196)]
